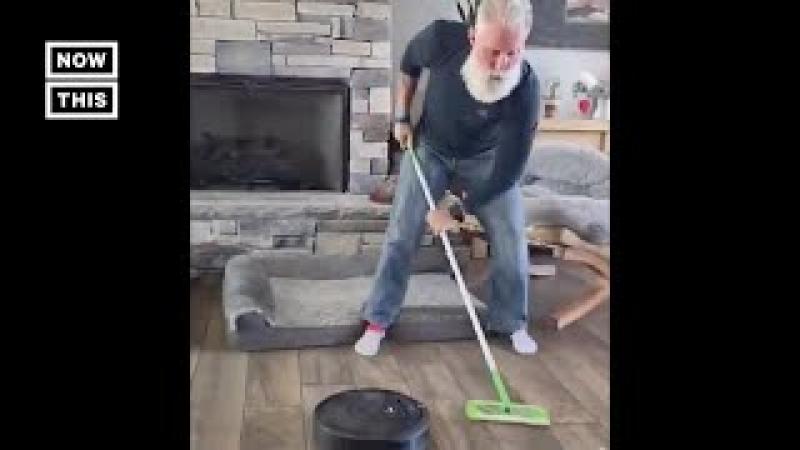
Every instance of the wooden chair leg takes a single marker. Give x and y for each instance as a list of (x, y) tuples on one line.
[(572, 311), (597, 263), (574, 249)]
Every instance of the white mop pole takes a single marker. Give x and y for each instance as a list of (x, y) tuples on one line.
[(454, 264)]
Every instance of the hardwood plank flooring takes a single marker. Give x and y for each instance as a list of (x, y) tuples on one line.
[(250, 401)]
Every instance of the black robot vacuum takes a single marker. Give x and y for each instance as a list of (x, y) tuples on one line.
[(370, 419)]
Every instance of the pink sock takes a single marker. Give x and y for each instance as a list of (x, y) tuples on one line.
[(373, 327)]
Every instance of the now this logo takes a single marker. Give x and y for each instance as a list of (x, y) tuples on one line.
[(81, 60), (81, 100), (81, 80)]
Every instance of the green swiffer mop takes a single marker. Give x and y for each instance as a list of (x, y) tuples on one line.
[(492, 410)]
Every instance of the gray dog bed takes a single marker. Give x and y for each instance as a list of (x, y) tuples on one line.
[(315, 300)]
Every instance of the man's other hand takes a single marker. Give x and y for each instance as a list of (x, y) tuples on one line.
[(402, 133), (440, 220)]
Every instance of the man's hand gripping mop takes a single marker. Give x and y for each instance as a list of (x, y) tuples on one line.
[(502, 410)]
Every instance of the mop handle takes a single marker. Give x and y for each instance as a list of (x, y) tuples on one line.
[(501, 391)]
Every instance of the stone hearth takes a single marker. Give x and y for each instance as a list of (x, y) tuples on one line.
[(225, 224)]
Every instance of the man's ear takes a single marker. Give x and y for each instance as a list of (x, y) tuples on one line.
[(471, 36)]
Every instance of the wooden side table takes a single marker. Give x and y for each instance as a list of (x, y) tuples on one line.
[(591, 133)]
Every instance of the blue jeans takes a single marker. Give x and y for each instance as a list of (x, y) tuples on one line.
[(502, 218)]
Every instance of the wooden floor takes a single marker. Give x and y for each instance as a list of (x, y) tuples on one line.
[(263, 401)]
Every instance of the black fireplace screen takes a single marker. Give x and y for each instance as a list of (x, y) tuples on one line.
[(268, 134)]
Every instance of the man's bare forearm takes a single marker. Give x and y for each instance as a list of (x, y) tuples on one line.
[(406, 86)]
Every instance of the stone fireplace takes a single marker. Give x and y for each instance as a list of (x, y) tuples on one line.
[(280, 41), (289, 128)]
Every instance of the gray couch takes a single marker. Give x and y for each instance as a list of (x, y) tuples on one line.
[(570, 186)]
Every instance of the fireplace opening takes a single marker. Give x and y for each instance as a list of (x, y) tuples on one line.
[(268, 134)]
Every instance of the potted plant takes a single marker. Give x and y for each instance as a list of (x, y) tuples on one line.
[(590, 92)]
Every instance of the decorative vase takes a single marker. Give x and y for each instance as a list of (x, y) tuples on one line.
[(600, 108), (586, 107)]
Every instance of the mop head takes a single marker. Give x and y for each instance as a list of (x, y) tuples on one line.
[(490, 410)]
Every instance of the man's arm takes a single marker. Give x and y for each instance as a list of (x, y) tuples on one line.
[(419, 53), (424, 50), (406, 87)]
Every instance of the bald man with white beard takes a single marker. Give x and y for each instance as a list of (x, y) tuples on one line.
[(480, 114)]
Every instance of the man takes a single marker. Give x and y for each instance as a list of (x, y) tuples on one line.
[(481, 110)]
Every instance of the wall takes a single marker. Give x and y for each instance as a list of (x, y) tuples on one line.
[(567, 66), (410, 16)]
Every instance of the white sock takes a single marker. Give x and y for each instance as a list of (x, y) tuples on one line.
[(523, 343), (369, 343)]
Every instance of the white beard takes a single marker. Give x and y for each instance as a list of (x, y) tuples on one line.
[(485, 88)]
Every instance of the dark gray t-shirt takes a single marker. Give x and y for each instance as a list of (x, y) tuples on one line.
[(458, 125)]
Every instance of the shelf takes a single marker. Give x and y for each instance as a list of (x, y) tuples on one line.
[(574, 125)]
